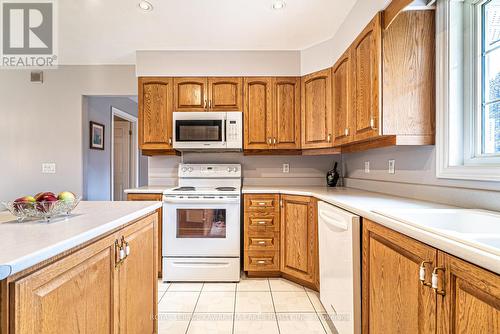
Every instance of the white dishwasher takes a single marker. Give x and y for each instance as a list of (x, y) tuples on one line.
[(340, 267)]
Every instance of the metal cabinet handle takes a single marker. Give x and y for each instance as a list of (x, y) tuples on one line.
[(269, 140), (261, 242), (435, 280), (329, 138), (346, 132), (274, 141), (205, 106), (209, 104), (422, 273), (170, 141), (372, 123)]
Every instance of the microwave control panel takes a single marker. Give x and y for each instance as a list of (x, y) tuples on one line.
[(234, 130)]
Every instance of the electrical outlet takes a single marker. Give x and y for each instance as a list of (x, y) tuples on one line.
[(392, 166), (48, 168), (286, 168), (367, 167)]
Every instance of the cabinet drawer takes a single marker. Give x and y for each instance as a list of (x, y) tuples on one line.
[(259, 202), (262, 241), (262, 261), (261, 223)]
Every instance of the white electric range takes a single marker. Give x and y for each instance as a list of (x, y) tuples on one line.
[(201, 225)]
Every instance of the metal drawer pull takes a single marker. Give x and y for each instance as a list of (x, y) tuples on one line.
[(435, 280), (261, 262), (422, 273), (261, 242), (262, 223), (262, 203)]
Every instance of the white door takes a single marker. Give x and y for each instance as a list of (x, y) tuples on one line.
[(122, 157)]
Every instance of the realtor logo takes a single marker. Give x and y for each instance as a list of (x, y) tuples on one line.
[(28, 34)]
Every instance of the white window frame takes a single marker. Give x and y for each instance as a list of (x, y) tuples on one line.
[(458, 89)]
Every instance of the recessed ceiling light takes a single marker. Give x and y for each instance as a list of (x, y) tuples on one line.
[(279, 4), (145, 6)]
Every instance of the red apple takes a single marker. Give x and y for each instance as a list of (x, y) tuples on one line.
[(24, 202), (45, 196), (45, 201)]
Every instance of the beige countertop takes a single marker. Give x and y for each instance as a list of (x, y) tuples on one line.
[(148, 190), (379, 207), (23, 245)]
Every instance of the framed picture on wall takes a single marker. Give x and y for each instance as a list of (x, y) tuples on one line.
[(96, 136)]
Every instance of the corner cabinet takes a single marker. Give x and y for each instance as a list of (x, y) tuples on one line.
[(299, 239), (90, 290), (280, 237), (412, 286), (208, 94), (317, 110), (155, 114)]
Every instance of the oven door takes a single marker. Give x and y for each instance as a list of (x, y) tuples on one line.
[(203, 227), (195, 130)]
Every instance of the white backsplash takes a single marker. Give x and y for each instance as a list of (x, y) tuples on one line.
[(257, 170)]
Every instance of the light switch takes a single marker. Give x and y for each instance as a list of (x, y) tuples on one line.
[(367, 167), (286, 168), (48, 168)]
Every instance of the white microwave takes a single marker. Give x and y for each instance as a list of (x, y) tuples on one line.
[(194, 131)]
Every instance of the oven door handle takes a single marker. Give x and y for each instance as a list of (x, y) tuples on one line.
[(201, 200)]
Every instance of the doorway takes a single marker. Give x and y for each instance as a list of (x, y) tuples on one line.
[(124, 154)]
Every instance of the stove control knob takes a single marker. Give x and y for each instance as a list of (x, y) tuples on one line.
[(190, 169), (229, 169), (235, 169), (184, 169)]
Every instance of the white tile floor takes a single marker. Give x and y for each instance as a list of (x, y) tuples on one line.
[(263, 306)]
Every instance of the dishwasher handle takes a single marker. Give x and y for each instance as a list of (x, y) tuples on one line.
[(332, 223)]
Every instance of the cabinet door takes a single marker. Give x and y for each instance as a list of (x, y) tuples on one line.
[(342, 100), (471, 303), (225, 94), (73, 295), (299, 234), (190, 94), (155, 113), (138, 278), (258, 113), (394, 300), (317, 110), (286, 118), (153, 197), (366, 62)]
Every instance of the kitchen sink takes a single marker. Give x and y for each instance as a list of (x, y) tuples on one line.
[(474, 227)]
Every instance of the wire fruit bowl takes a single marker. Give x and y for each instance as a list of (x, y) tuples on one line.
[(44, 210)]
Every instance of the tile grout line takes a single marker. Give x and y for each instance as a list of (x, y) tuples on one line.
[(274, 306), (194, 309), (234, 308), (316, 311)]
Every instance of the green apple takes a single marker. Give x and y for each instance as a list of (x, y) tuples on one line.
[(66, 196)]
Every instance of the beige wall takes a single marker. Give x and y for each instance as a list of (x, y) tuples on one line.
[(43, 123)]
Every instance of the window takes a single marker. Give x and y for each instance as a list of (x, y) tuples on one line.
[(490, 81), (468, 89)]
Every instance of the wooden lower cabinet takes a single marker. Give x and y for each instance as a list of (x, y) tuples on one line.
[(88, 291), (299, 239), (471, 303), (280, 237), (465, 300), (153, 197)]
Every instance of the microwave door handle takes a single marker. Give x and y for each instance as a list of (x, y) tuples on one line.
[(225, 130)]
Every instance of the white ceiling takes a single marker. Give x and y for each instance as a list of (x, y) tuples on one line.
[(110, 31)]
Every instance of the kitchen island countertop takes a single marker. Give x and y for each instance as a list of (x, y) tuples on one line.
[(23, 245)]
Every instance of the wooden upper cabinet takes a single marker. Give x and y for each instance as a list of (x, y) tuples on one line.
[(190, 94), (409, 77), (317, 110), (299, 238), (286, 107), (72, 295), (366, 62), (394, 300), (155, 113), (342, 100), (225, 94), (258, 113), (138, 278), (471, 303)]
